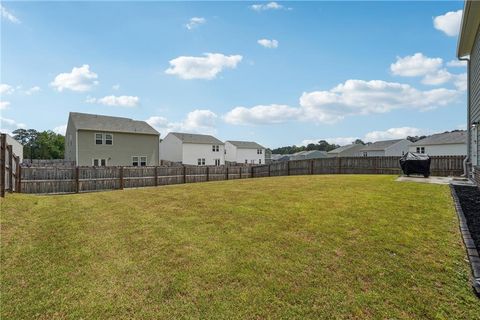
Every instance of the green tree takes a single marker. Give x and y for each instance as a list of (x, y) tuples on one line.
[(40, 145)]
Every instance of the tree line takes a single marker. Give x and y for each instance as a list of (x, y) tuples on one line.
[(40, 144)]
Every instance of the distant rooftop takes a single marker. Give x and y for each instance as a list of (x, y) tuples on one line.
[(246, 144), (196, 138), (345, 148), (95, 122), (444, 138), (380, 145)]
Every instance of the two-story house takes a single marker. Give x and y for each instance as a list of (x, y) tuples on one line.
[(97, 140), (192, 149), (244, 152)]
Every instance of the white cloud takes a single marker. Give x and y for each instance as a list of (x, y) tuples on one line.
[(341, 141), (267, 6), (8, 15), (195, 22), (60, 129), (449, 23), (202, 67), (359, 97), (79, 79), (10, 124), (461, 81), (32, 90), (268, 43), (116, 101), (438, 77), (6, 89), (116, 87), (197, 121), (416, 65), (4, 105), (354, 97), (393, 133), (457, 63), (262, 114)]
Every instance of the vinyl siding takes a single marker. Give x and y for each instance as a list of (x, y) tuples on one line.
[(70, 142), (475, 91)]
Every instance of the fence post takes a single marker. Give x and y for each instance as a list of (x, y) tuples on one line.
[(184, 174), (3, 146), (251, 171), (269, 170), (19, 176), (339, 164), (311, 166), (208, 173), (226, 172), (121, 178), (240, 171), (288, 167), (156, 176), (77, 179), (10, 168)]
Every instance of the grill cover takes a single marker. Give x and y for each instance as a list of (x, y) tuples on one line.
[(415, 163)]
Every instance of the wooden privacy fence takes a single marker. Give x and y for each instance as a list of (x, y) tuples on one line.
[(9, 168), (83, 179)]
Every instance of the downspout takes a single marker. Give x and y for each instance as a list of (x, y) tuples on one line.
[(466, 172)]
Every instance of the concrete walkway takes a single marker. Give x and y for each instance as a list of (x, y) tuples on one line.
[(436, 180)]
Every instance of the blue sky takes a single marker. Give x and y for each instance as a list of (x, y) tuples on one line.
[(279, 73)]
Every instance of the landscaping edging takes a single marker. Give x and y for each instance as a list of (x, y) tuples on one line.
[(472, 252)]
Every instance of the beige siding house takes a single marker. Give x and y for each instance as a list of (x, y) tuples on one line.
[(469, 50), (96, 140)]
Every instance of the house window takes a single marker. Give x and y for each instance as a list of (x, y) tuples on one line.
[(259, 151), (98, 138), (259, 161), (420, 149), (201, 161), (215, 148), (135, 161), (99, 162), (108, 138), (365, 154), (217, 162), (246, 161), (143, 161)]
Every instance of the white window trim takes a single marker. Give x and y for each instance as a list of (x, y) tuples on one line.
[(105, 139), (99, 162), (140, 161), (95, 138)]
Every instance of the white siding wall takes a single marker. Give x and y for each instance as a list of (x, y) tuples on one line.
[(442, 150), (17, 147), (250, 155), (474, 88), (192, 152), (171, 149), (399, 148), (231, 154)]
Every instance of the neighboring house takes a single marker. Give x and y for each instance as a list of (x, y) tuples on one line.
[(349, 150), (311, 154), (17, 147), (268, 156), (244, 152), (96, 140), (385, 148), (469, 50), (192, 149), (442, 144)]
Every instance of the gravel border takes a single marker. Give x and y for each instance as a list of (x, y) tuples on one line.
[(472, 252)]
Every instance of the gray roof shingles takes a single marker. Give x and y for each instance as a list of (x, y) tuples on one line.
[(95, 122), (380, 145), (196, 138), (457, 137), (245, 144)]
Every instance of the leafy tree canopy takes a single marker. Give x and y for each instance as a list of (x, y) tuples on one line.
[(40, 145)]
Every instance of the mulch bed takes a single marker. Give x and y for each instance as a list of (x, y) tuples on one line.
[(469, 198)]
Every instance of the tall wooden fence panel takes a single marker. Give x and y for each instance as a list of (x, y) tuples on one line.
[(9, 167), (63, 179)]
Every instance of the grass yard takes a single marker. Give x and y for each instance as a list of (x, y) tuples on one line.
[(334, 247)]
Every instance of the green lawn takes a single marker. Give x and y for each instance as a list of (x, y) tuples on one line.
[(334, 247)]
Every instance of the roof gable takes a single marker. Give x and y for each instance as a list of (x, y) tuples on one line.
[(196, 138), (245, 144), (457, 137), (381, 145)]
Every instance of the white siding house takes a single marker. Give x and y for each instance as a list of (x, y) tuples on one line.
[(442, 144), (192, 149), (469, 50), (244, 152), (385, 148)]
